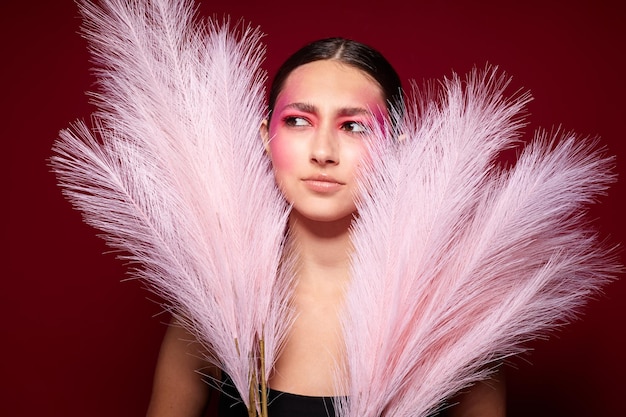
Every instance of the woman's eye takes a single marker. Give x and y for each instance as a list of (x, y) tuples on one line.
[(296, 121), (355, 127)]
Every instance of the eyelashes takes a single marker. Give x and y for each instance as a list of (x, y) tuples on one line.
[(355, 127), (351, 126), (296, 121)]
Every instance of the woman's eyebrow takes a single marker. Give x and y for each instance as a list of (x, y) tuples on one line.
[(354, 111), (342, 112), (303, 107)]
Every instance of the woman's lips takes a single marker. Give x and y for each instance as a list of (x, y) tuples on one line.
[(322, 184)]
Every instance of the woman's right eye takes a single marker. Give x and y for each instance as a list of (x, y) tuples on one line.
[(296, 121)]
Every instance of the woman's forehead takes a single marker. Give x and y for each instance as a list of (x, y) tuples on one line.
[(330, 81)]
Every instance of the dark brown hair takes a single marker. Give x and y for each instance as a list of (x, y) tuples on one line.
[(349, 52)]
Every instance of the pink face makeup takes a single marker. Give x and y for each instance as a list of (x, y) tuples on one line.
[(317, 135)]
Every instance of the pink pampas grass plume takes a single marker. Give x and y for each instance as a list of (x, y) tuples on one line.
[(174, 173), (457, 261)]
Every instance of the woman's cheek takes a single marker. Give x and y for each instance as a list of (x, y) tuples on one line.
[(283, 157), (283, 164), (360, 155)]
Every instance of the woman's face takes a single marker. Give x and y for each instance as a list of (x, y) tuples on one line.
[(316, 136)]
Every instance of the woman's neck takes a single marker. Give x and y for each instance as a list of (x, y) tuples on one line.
[(313, 350), (323, 247)]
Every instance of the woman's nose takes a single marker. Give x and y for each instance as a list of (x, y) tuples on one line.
[(324, 148)]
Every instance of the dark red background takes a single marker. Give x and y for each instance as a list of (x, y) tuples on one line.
[(77, 341)]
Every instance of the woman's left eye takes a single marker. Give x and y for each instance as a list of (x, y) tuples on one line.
[(355, 127)]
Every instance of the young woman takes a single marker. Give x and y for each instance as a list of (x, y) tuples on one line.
[(322, 102)]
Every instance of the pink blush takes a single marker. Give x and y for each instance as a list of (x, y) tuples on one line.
[(282, 157)]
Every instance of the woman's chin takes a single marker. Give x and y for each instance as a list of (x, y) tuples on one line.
[(323, 216)]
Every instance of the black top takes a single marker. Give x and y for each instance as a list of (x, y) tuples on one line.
[(280, 404)]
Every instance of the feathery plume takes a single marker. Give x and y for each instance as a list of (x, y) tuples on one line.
[(458, 262), (174, 173)]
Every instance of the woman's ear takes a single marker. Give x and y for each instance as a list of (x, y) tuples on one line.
[(264, 130)]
